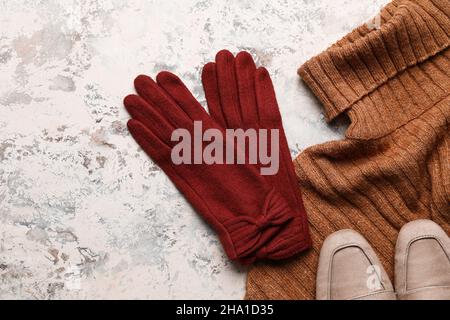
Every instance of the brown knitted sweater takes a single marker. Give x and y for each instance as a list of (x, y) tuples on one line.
[(393, 166)]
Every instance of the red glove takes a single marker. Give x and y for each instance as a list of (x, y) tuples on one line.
[(241, 96), (247, 212)]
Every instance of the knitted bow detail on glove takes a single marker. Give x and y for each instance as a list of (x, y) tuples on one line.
[(250, 234)]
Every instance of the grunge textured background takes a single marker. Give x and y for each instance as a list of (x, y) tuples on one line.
[(83, 212)]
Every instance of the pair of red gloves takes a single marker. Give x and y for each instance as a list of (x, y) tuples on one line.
[(256, 216)]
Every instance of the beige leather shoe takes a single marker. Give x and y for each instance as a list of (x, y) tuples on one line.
[(350, 270), (422, 262)]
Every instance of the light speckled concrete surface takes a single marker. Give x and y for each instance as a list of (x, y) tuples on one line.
[(83, 212)]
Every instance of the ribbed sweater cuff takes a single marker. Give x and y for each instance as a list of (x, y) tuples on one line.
[(409, 33)]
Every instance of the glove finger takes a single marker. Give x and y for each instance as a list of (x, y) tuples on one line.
[(228, 91), (269, 113), (210, 86), (148, 115), (175, 88), (245, 73), (154, 147), (155, 95), (270, 117)]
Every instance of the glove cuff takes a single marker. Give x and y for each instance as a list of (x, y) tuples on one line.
[(277, 233)]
